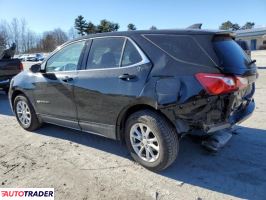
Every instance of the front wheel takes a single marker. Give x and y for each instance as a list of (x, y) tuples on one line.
[(25, 113), (151, 140)]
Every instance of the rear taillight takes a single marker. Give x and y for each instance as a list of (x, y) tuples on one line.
[(21, 67), (220, 84)]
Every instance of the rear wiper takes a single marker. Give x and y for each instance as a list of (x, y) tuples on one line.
[(251, 62)]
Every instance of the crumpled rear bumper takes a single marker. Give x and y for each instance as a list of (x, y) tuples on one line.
[(208, 115), (236, 118)]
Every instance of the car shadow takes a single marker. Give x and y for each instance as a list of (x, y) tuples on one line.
[(237, 170), (4, 105)]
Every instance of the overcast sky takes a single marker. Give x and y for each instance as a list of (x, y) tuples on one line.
[(43, 15)]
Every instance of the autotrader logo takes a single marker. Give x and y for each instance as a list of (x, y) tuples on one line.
[(27, 193)]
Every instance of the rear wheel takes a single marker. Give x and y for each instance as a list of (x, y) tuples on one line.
[(151, 140), (25, 113)]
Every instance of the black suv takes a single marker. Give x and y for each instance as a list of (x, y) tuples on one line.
[(147, 88)]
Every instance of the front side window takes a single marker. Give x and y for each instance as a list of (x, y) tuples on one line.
[(65, 59), (105, 53), (131, 55)]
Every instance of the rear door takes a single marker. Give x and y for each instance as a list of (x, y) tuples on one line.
[(116, 71), (53, 91)]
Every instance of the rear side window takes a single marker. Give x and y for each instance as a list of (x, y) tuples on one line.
[(230, 54), (182, 48), (105, 53), (131, 55)]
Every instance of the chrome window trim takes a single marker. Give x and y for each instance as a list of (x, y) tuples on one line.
[(144, 60), (43, 65)]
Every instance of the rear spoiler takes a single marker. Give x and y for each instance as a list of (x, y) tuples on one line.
[(225, 34), (221, 33)]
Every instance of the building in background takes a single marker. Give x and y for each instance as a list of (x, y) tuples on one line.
[(256, 37)]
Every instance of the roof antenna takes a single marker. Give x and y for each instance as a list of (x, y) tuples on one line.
[(195, 26)]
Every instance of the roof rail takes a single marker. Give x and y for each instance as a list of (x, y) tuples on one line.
[(195, 26)]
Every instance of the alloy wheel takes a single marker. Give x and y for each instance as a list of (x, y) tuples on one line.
[(144, 142), (23, 113)]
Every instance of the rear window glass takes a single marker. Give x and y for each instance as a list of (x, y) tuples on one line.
[(230, 54), (243, 44), (182, 48)]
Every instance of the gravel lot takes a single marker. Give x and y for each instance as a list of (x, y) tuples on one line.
[(81, 166)]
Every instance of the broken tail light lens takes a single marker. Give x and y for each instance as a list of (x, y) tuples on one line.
[(216, 84)]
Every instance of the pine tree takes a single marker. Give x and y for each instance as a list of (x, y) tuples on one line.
[(131, 27), (91, 28), (80, 25), (153, 28)]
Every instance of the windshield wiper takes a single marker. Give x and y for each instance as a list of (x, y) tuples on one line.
[(251, 62)]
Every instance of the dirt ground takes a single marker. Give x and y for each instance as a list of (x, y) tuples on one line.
[(81, 166)]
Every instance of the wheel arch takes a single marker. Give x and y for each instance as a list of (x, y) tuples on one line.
[(17, 92), (14, 95), (123, 116)]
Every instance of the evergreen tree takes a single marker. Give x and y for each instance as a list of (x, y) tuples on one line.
[(131, 27), (153, 28), (80, 25), (248, 25), (107, 26), (91, 28)]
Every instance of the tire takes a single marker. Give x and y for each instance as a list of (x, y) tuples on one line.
[(33, 122), (161, 134)]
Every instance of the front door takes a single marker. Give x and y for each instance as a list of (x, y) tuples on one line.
[(115, 75), (54, 89)]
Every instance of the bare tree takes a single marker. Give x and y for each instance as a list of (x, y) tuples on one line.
[(72, 33), (59, 36), (5, 32), (23, 29), (14, 29)]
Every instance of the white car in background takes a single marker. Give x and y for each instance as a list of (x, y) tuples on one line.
[(23, 57)]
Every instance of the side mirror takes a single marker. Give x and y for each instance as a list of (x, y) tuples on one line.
[(35, 68)]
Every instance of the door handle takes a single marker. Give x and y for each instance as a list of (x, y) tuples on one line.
[(127, 77), (67, 79)]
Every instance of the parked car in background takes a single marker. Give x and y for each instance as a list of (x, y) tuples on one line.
[(23, 57), (35, 57), (244, 45), (147, 88), (8, 69)]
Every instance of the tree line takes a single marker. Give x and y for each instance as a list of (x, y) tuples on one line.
[(85, 28), (27, 41), (228, 25)]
